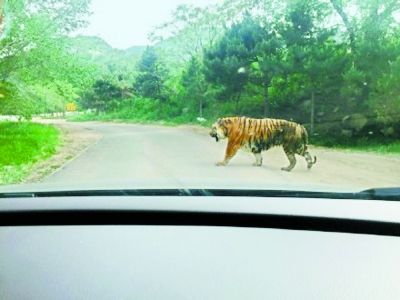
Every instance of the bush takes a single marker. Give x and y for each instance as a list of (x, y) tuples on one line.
[(142, 110)]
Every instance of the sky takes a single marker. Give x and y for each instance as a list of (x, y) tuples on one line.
[(125, 23)]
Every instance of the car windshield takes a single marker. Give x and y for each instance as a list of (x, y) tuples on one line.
[(199, 94)]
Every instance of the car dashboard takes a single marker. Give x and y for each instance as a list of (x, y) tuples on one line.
[(168, 247)]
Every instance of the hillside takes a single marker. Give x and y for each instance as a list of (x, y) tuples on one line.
[(98, 51)]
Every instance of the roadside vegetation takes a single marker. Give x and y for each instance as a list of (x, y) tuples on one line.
[(313, 62), (140, 110), (382, 148), (21, 145), (331, 65), (366, 144)]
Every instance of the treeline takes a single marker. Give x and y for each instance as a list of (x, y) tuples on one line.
[(43, 67), (332, 65)]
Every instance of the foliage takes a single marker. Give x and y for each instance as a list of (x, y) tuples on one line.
[(310, 61), (35, 58), (193, 88), (150, 82), (227, 62), (385, 99), (332, 65), (105, 95), (140, 110)]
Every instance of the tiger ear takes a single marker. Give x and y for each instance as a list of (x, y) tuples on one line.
[(220, 121)]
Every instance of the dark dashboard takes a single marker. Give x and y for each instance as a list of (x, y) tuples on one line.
[(190, 247)]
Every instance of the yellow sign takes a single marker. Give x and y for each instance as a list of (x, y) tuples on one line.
[(71, 106)]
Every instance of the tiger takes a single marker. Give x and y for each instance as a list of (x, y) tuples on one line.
[(257, 135)]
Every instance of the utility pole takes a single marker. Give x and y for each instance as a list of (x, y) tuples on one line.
[(312, 112)]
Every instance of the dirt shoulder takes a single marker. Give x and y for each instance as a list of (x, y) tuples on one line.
[(75, 140)]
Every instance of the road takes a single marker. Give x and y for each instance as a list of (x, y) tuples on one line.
[(144, 156)]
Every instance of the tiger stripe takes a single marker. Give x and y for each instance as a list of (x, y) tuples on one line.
[(259, 135)]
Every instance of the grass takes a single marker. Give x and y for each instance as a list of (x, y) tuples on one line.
[(21, 145), (380, 146), (391, 148)]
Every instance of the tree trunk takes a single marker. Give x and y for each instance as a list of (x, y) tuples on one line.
[(201, 107), (266, 102), (237, 102), (337, 5), (131, 105), (312, 113)]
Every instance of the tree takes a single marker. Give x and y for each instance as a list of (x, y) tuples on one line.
[(374, 51), (227, 63), (150, 82), (350, 27), (310, 48), (268, 64), (193, 85), (373, 19), (34, 51), (103, 96), (385, 100), (66, 15), (190, 31)]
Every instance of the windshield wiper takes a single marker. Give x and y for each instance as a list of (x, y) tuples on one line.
[(388, 194)]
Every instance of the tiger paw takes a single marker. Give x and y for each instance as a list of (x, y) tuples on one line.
[(257, 164), (220, 163)]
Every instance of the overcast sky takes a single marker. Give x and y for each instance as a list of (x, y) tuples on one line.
[(124, 23)]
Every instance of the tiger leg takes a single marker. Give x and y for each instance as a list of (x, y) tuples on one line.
[(292, 160), (259, 159), (230, 152), (309, 159)]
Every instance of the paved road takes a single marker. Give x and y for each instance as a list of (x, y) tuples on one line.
[(129, 155)]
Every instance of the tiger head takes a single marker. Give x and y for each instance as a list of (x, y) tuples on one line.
[(219, 129)]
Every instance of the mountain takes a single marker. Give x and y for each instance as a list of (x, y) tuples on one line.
[(98, 51)]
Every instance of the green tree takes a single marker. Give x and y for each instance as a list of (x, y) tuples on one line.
[(194, 86), (269, 63), (150, 81), (103, 96), (34, 52), (311, 54), (227, 63)]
